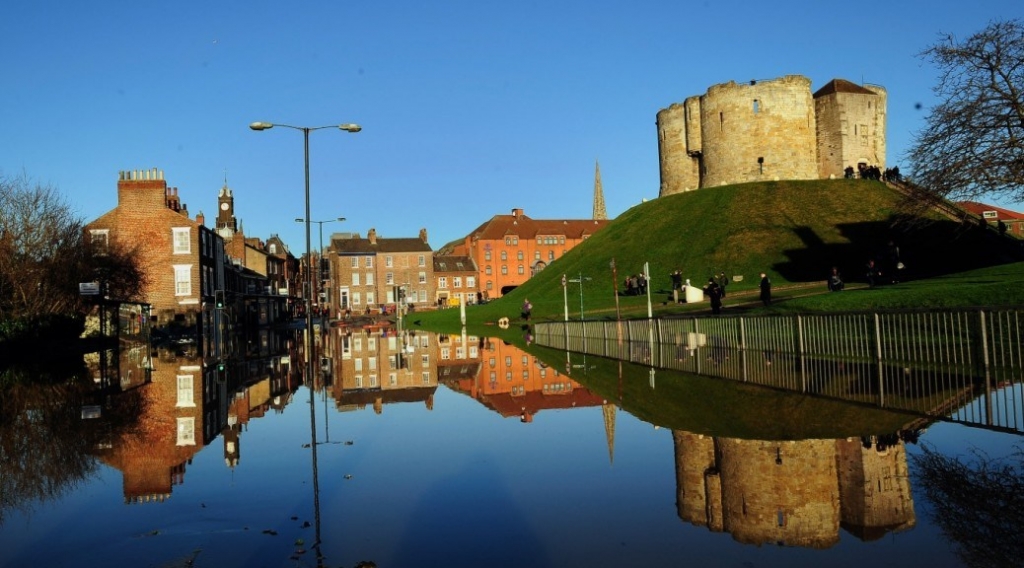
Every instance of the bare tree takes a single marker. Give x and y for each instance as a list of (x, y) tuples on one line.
[(978, 504), (43, 254), (973, 144)]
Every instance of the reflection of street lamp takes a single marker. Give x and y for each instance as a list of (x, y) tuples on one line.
[(320, 253), (309, 312)]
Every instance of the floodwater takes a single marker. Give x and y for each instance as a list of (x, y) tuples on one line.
[(461, 452)]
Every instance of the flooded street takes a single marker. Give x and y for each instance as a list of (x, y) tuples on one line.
[(494, 460)]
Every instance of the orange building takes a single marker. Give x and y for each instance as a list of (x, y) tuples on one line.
[(509, 249)]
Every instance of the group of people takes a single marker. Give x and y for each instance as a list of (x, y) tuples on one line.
[(865, 171), (635, 285), (888, 268)]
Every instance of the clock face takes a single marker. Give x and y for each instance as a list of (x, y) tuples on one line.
[(224, 206)]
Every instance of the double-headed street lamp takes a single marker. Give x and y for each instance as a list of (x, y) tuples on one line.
[(320, 252), (347, 127)]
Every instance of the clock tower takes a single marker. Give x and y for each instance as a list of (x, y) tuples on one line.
[(226, 211)]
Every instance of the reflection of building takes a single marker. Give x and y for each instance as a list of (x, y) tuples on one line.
[(794, 493), (186, 405), (379, 365), (509, 249), (514, 383), (171, 430)]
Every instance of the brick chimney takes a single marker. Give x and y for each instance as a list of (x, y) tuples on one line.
[(517, 212), (372, 236), (423, 234), (201, 219)]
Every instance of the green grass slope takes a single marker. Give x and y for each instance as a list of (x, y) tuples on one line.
[(795, 231)]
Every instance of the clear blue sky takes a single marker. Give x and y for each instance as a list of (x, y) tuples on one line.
[(468, 108)]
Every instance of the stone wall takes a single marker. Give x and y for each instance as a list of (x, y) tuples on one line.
[(768, 131)]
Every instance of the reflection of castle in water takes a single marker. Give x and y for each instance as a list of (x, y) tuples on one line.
[(793, 493)]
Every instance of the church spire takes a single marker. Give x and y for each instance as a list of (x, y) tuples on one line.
[(599, 210), (608, 413)]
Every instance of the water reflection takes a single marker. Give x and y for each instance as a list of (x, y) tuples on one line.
[(793, 493), (784, 484)]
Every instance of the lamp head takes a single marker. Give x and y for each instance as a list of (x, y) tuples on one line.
[(261, 126), (300, 220), (349, 127)]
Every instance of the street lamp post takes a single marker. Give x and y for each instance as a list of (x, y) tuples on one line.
[(320, 253), (347, 127), (580, 280)]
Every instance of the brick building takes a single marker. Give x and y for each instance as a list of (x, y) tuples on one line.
[(509, 249), (367, 272), (1013, 221), (183, 259), (455, 279)]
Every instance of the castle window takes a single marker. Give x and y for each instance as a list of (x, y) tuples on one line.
[(721, 120), (757, 106)]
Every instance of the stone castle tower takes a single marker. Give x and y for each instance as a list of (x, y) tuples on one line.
[(769, 130)]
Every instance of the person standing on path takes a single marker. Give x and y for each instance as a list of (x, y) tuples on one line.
[(766, 290)]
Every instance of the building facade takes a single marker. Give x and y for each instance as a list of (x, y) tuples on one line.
[(182, 258), (455, 281), (509, 249), (769, 131), (370, 274)]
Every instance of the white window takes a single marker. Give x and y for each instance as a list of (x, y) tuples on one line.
[(100, 239), (423, 295), (442, 282), (186, 431), (369, 279), (355, 262), (369, 262), (373, 363), (471, 282), (356, 299), (426, 378), (389, 261), (186, 394), (421, 260), (358, 365), (182, 242), (370, 299), (373, 381), (423, 277), (357, 345), (182, 279), (457, 281), (389, 278), (371, 343), (446, 353), (355, 278), (473, 352), (359, 381)]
